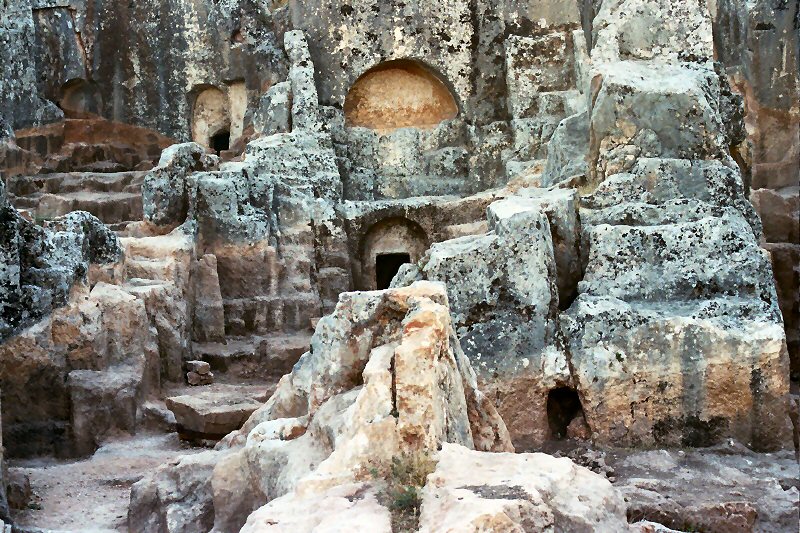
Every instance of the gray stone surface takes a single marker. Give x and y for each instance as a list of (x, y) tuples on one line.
[(39, 264), (728, 488)]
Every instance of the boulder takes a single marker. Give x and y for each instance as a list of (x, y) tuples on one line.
[(210, 415), (471, 491)]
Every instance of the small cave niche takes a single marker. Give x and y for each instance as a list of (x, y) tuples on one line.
[(220, 141), (563, 406), (80, 99), (386, 246), (387, 266), (399, 94), (211, 121)]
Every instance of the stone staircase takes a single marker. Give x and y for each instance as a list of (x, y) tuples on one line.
[(246, 367), (115, 198), (92, 165)]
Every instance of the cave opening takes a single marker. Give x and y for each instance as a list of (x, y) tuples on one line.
[(220, 141), (563, 406), (387, 266)]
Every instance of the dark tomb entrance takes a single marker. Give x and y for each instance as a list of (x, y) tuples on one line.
[(563, 405), (221, 141), (386, 266)]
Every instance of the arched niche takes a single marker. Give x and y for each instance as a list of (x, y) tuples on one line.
[(80, 98), (399, 94), (211, 119), (388, 245)]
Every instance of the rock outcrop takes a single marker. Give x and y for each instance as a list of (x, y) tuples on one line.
[(385, 377), (473, 491), (39, 264), (747, 36)]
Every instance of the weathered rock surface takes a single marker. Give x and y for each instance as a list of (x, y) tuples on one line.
[(385, 375), (474, 491), (647, 223), (210, 415), (349, 506), (39, 264), (504, 299), (165, 191), (729, 489), (629, 304)]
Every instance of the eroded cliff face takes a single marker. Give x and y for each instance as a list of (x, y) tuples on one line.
[(759, 45), (546, 206)]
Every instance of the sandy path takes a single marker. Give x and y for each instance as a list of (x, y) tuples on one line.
[(92, 495)]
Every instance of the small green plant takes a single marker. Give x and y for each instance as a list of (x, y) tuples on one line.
[(404, 478)]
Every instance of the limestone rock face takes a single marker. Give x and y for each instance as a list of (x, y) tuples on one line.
[(503, 291), (654, 110), (652, 30), (473, 491), (623, 325), (21, 104), (274, 110), (190, 47), (39, 264), (385, 376), (165, 190), (81, 373), (746, 35)]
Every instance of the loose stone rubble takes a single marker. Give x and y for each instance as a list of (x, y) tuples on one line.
[(334, 239)]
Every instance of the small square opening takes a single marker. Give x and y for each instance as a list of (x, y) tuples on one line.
[(386, 267), (221, 142)]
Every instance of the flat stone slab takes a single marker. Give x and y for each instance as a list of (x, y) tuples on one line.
[(254, 357), (212, 414)]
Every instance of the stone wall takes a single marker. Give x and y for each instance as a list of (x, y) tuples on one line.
[(20, 103), (759, 45)]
